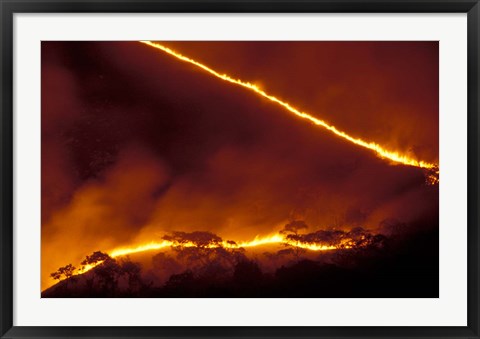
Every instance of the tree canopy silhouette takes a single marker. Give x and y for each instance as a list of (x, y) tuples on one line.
[(293, 236), (66, 272), (199, 239), (95, 258)]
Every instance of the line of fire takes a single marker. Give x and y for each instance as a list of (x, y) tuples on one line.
[(171, 178)]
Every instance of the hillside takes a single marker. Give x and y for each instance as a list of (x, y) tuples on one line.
[(405, 266)]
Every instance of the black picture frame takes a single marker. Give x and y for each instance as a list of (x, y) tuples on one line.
[(9, 8)]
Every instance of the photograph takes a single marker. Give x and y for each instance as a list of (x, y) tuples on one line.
[(239, 169)]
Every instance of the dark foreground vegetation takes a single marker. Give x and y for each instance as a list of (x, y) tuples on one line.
[(376, 266)]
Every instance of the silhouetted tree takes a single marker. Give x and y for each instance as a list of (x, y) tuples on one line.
[(324, 237), (204, 254), (226, 258), (194, 247), (197, 239), (93, 260), (293, 236), (66, 272), (294, 227)]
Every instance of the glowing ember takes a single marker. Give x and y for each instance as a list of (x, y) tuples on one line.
[(394, 156)]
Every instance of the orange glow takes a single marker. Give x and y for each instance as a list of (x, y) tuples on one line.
[(87, 268), (140, 248), (275, 239), (433, 177), (257, 241), (382, 152)]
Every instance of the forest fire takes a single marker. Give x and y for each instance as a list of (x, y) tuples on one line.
[(191, 260), (163, 177), (276, 239), (382, 152), (257, 241), (289, 237)]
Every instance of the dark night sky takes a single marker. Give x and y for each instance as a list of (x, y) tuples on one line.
[(136, 142)]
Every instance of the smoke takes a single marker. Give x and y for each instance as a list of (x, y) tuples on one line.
[(104, 211), (383, 91), (58, 112), (135, 145)]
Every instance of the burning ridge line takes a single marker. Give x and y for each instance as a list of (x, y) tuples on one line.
[(379, 150), (257, 241)]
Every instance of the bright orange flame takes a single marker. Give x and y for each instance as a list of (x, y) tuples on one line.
[(141, 248), (379, 150), (275, 239), (87, 268), (257, 241)]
